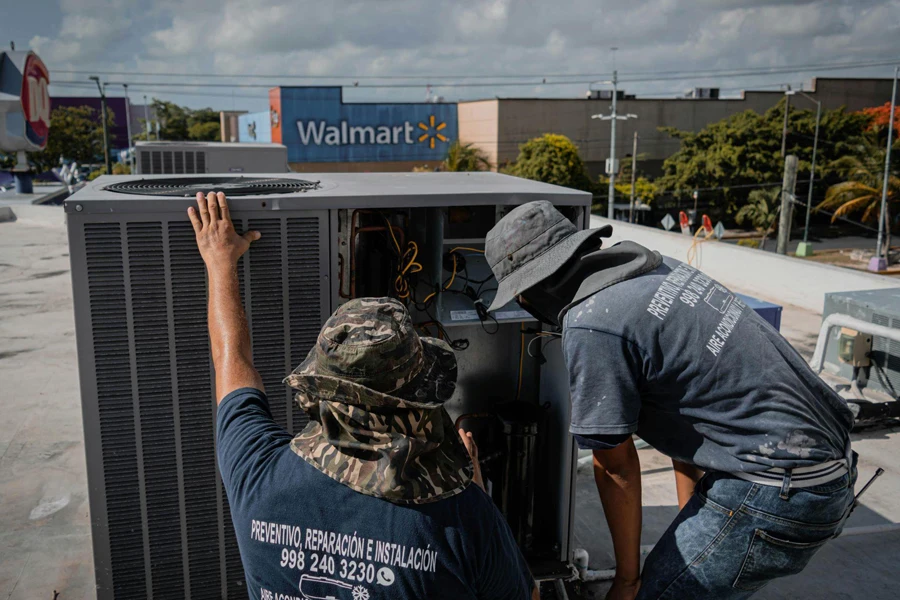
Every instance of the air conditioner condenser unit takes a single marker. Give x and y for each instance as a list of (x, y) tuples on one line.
[(160, 519)]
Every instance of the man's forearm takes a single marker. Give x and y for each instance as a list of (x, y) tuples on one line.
[(228, 332), (221, 247), (618, 476), (686, 478)]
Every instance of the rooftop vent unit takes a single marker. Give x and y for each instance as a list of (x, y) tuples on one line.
[(176, 158), (702, 93), (605, 95), (160, 519)]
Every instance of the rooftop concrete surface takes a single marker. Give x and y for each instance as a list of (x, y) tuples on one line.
[(44, 522), (45, 536)]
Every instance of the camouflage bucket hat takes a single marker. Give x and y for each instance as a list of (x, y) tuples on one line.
[(374, 391)]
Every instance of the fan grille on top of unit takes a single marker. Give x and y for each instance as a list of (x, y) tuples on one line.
[(232, 186)]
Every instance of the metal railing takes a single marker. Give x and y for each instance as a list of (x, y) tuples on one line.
[(842, 320)]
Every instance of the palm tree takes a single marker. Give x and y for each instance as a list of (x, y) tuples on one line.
[(465, 157), (762, 208), (861, 192)]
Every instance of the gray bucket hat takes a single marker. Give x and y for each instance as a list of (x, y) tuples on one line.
[(530, 244)]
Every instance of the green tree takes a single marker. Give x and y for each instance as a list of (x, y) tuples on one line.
[(204, 125), (727, 158), (644, 190), (173, 120), (465, 157), (75, 134), (204, 132), (860, 190), (551, 158), (180, 123), (761, 211)]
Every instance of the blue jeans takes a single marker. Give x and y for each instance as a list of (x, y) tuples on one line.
[(734, 536)]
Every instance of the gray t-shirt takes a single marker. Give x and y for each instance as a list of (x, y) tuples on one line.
[(677, 358)]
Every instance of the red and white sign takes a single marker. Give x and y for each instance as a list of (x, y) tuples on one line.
[(36, 100)]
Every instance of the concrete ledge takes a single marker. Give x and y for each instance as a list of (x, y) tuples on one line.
[(770, 276), (30, 214)]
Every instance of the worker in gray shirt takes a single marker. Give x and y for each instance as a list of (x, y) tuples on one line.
[(654, 347)]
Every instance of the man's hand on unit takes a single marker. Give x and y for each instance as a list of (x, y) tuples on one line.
[(220, 245)]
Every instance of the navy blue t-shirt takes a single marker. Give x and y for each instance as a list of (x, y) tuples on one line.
[(304, 535), (677, 358)]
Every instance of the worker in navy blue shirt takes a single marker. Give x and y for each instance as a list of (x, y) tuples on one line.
[(658, 348), (374, 499)]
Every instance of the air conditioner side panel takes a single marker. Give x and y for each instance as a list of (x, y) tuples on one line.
[(160, 520), (84, 342)]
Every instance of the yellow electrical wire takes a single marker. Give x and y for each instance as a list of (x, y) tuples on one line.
[(446, 287), (452, 275), (692, 251), (401, 284)]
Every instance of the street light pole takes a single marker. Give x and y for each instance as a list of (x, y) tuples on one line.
[(613, 117), (96, 80), (146, 117), (612, 149), (812, 170), (880, 262), (128, 122), (633, 174), (805, 248)]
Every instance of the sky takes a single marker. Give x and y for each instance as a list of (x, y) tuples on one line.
[(485, 48)]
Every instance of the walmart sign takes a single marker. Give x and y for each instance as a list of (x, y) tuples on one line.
[(316, 125)]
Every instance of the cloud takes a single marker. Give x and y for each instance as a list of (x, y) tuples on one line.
[(475, 37), (89, 30)]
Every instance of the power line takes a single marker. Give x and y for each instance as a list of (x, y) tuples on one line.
[(709, 189), (350, 77), (643, 77), (786, 69)]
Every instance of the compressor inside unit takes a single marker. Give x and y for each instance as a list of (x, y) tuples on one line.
[(432, 259)]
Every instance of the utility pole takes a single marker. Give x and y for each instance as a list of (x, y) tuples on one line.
[(128, 120), (633, 174), (146, 117), (805, 248), (96, 80), (787, 203), (787, 104), (613, 117), (612, 148), (880, 261)]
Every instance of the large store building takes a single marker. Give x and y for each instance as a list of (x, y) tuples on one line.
[(498, 126), (323, 133)]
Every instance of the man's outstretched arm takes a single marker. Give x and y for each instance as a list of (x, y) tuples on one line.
[(221, 247), (618, 475)]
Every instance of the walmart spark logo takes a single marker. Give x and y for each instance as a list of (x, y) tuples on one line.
[(432, 132)]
